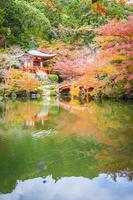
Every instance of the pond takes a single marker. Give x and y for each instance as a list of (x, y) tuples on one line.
[(66, 150)]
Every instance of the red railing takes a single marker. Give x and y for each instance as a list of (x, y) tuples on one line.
[(34, 69)]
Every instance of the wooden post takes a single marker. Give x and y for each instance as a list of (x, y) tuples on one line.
[(41, 65), (31, 63), (25, 64)]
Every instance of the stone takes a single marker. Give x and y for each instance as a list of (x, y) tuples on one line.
[(38, 96), (33, 96), (1, 98), (13, 95), (42, 75)]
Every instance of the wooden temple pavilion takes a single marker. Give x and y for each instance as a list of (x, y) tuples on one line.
[(37, 58)]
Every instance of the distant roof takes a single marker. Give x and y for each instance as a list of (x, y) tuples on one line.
[(41, 54)]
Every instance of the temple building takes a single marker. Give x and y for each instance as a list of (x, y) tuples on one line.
[(35, 61)]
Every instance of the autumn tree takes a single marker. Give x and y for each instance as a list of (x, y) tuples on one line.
[(17, 81), (111, 72)]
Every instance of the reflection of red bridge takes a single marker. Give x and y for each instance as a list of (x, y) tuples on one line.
[(70, 107)]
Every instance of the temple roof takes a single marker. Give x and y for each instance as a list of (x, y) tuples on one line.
[(41, 54)]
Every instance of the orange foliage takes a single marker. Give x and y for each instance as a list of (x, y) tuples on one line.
[(110, 73), (18, 81), (99, 8)]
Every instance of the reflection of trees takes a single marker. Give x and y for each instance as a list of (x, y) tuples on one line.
[(109, 117), (28, 112), (69, 156), (19, 112), (89, 142), (111, 124), (115, 176), (72, 156)]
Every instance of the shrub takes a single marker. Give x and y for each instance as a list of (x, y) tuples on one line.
[(53, 77), (17, 81)]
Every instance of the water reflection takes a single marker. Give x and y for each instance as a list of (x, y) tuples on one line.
[(72, 188), (68, 140), (29, 112)]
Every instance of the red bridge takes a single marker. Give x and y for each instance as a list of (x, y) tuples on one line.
[(65, 87)]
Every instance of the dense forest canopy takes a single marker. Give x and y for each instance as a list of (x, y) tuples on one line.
[(55, 19)]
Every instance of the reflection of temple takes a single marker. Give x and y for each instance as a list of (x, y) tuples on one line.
[(36, 60), (42, 115)]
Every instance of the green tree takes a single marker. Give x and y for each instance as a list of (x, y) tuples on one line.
[(23, 17)]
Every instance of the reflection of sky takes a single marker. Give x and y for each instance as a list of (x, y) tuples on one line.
[(72, 188)]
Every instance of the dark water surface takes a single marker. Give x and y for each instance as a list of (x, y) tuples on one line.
[(58, 150)]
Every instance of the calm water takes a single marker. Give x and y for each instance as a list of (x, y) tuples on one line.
[(66, 150)]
